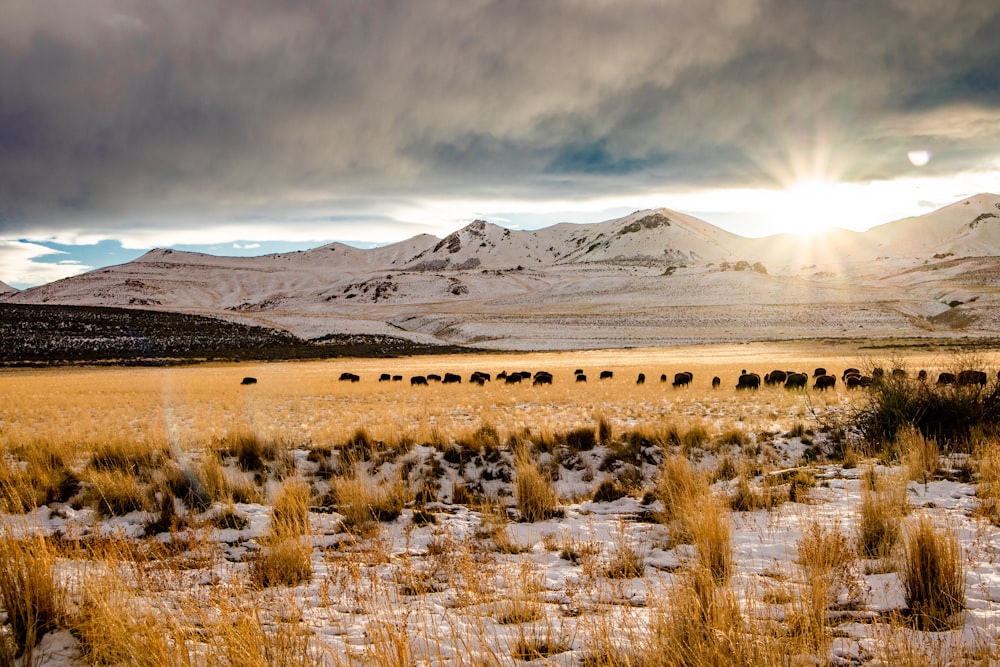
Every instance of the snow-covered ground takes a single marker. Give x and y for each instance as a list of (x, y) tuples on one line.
[(468, 584)]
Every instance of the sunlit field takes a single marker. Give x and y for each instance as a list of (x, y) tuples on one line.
[(176, 516)]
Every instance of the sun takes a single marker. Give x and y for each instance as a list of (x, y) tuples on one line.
[(813, 206)]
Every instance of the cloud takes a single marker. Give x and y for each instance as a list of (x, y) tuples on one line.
[(125, 117), (22, 268)]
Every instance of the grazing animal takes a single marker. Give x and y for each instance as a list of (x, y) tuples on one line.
[(878, 373), (581, 378), (748, 381), (922, 375), (606, 375), (641, 379), (477, 379), (542, 377), (578, 371), (479, 374), (850, 371), (452, 378), (796, 381), (898, 373), (502, 375), (384, 377), (716, 381), (775, 377), (248, 380), (824, 382), (968, 377), (349, 377), (682, 379), (433, 377), (397, 378), (819, 371), (946, 378), (513, 378), (418, 380)]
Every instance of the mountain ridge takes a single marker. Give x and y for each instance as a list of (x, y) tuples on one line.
[(655, 276)]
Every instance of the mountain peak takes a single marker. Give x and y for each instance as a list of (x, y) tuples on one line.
[(4, 287)]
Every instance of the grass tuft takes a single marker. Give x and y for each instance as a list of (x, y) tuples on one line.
[(933, 574)]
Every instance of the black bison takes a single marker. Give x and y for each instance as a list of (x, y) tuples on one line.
[(819, 371), (899, 373), (578, 371), (513, 378), (479, 375), (796, 381), (542, 377), (349, 377), (248, 380), (946, 378), (775, 377), (384, 377), (682, 379), (606, 375), (663, 377), (824, 382), (397, 378), (418, 380), (922, 375), (748, 381), (502, 375), (716, 381), (581, 377), (477, 379), (451, 378), (641, 379), (968, 378), (850, 371), (433, 377)]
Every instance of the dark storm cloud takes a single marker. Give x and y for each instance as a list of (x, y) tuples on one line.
[(116, 112)]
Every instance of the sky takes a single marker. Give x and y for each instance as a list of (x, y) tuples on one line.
[(272, 125)]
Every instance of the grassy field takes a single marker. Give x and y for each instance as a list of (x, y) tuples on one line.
[(307, 520)]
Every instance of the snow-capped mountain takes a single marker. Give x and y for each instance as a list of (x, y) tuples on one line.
[(652, 277)]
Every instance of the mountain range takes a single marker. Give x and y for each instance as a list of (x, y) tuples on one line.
[(650, 278)]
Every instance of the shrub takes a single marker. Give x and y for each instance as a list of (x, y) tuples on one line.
[(932, 573), (948, 414)]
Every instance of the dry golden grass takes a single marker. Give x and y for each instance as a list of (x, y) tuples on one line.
[(195, 434), (31, 596), (932, 573)]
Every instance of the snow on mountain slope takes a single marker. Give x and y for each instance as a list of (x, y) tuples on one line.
[(654, 275), (661, 235), (482, 245)]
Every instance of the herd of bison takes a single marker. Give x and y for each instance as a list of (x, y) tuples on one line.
[(851, 378)]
